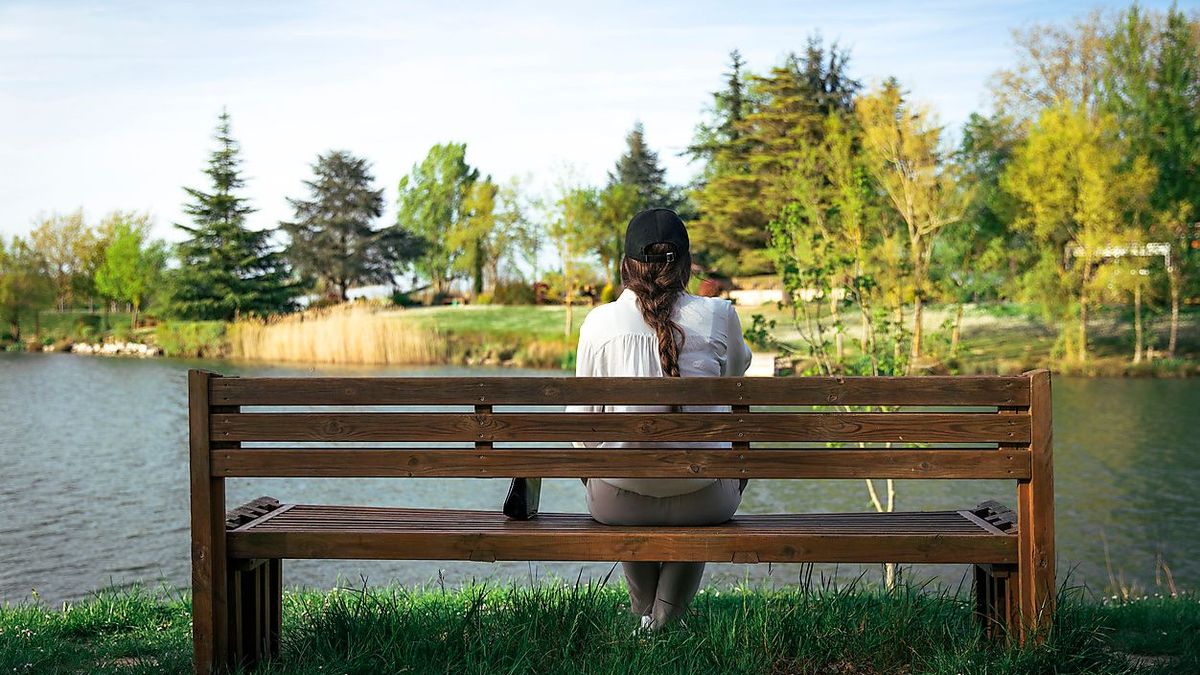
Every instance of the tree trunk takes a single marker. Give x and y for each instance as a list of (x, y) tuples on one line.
[(133, 323), (570, 317), (836, 310), (478, 270), (956, 332), (896, 339), (864, 341), (1137, 323), (1083, 319), (918, 315), (1171, 341)]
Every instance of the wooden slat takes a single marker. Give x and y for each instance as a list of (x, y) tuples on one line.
[(620, 463), (939, 390), (209, 592), (458, 535), (668, 427), (1035, 517)]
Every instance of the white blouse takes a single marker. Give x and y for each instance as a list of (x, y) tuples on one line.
[(615, 341)]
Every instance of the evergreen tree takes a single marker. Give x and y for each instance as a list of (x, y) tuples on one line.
[(728, 224), (1174, 150), (982, 252), (763, 126), (640, 170), (432, 204), (333, 240), (226, 269)]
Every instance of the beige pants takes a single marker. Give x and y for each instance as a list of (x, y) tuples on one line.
[(663, 590)]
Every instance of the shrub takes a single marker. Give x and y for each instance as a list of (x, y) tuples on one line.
[(403, 299), (193, 339), (608, 293), (512, 293)]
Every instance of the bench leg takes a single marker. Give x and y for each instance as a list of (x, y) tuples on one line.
[(255, 604), (997, 601)]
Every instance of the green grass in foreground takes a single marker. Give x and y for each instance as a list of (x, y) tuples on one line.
[(567, 629)]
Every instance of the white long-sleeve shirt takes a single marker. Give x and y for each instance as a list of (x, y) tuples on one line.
[(615, 341)]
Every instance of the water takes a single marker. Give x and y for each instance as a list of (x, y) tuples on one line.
[(93, 485)]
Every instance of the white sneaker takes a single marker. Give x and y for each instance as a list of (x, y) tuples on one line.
[(644, 629)]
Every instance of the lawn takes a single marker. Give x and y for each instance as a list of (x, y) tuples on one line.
[(1009, 339), (534, 321), (571, 628)]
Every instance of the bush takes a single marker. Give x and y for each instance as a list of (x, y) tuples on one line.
[(608, 293), (403, 299), (512, 293), (192, 339)]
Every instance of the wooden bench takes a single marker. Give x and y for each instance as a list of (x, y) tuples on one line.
[(923, 427)]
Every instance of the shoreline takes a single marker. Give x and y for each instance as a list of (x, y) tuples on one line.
[(762, 364), (995, 340)]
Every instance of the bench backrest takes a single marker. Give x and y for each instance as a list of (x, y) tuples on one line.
[(880, 427)]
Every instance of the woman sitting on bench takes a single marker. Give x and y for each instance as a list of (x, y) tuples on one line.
[(657, 328)]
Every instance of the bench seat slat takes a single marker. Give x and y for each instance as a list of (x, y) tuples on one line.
[(931, 390), (1004, 463), (313, 531), (546, 427)]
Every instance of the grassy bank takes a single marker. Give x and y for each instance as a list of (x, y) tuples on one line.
[(568, 629), (995, 339), (1009, 339), (526, 336)]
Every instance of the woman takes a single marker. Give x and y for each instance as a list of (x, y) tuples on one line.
[(657, 328)]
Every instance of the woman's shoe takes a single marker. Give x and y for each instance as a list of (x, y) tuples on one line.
[(644, 628)]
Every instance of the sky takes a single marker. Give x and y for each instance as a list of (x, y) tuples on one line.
[(111, 105)]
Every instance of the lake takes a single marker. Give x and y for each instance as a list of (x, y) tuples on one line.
[(93, 485)]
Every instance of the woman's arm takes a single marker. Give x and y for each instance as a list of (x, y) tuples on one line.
[(737, 352), (585, 366)]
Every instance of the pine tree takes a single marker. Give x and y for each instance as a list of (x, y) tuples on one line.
[(225, 269), (639, 169), (332, 238), (763, 126), (1174, 149)]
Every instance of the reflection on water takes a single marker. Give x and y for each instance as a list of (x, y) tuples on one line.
[(93, 484)]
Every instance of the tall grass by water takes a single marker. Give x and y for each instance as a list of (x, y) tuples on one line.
[(364, 334), (343, 335), (556, 627)]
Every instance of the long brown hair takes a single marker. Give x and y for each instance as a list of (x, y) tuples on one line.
[(657, 287)]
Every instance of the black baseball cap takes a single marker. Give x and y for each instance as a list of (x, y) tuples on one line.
[(656, 226)]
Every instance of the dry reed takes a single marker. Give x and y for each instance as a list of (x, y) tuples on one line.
[(354, 334)]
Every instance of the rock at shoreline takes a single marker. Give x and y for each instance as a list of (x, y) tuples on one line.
[(137, 349)]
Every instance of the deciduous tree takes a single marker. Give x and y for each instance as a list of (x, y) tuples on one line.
[(906, 158), (432, 204), (132, 265)]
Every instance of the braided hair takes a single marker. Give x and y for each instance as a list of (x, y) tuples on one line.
[(657, 287)]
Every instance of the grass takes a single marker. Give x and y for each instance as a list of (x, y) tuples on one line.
[(571, 628), (537, 321), (1009, 339)]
